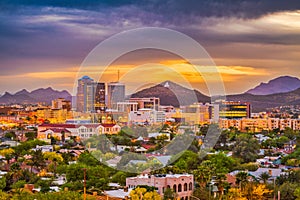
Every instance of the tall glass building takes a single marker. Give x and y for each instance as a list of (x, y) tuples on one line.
[(115, 94), (90, 95)]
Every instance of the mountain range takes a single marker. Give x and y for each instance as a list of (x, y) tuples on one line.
[(171, 93), (277, 92), (277, 85), (283, 90), (45, 95)]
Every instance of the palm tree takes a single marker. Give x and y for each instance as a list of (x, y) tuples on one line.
[(38, 159), (264, 177), (242, 179), (204, 172), (63, 136)]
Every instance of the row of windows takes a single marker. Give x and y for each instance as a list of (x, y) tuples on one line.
[(83, 130), (175, 188), (179, 188)]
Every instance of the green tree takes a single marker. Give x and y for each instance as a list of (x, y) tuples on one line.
[(2, 183), (169, 194), (74, 172), (7, 153), (38, 159), (142, 193), (19, 184), (290, 133), (67, 157), (119, 177), (4, 196), (31, 135), (223, 161), (10, 135), (281, 140), (188, 160), (97, 177), (297, 193), (246, 148), (88, 159), (264, 177), (53, 157), (242, 179), (44, 184), (204, 173), (287, 190)]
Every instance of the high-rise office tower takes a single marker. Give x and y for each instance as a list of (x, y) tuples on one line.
[(90, 95), (81, 98), (115, 93), (100, 97)]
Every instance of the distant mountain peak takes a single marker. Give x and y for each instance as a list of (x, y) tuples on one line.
[(171, 93), (278, 85), (22, 92), (45, 95), (7, 94), (166, 84), (43, 89)]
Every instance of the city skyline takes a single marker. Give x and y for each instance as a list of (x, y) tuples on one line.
[(43, 43)]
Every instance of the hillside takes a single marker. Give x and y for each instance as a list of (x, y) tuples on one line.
[(174, 94), (45, 95), (261, 102), (278, 85)]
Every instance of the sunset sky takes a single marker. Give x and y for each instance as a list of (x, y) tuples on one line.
[(43, 43)]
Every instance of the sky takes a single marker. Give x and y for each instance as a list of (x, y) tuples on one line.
[(44, 43)]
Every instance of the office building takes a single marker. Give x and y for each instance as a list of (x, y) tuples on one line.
[(115, 94), (148, 103), (61, 103), (90, 95), (81, 98), (234, 110), (100, 97)]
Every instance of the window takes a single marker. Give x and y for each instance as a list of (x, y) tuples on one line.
[(179, 188), (190, 186), (185, 187), (174, 188)]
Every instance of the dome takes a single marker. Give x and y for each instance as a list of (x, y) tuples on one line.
[(85, 77)]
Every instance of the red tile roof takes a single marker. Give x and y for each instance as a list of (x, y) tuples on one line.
[(59, 125), (75, 125), (57, 130)]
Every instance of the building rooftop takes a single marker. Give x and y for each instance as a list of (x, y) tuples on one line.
[(85, 77), (117, 193), (162, 176)]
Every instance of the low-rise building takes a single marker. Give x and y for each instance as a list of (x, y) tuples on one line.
[(83, 131), (182, 184)]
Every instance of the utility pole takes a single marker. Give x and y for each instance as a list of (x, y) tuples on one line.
[(84, 183)]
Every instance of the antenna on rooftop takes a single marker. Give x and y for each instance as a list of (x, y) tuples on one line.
[(118, 75)]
